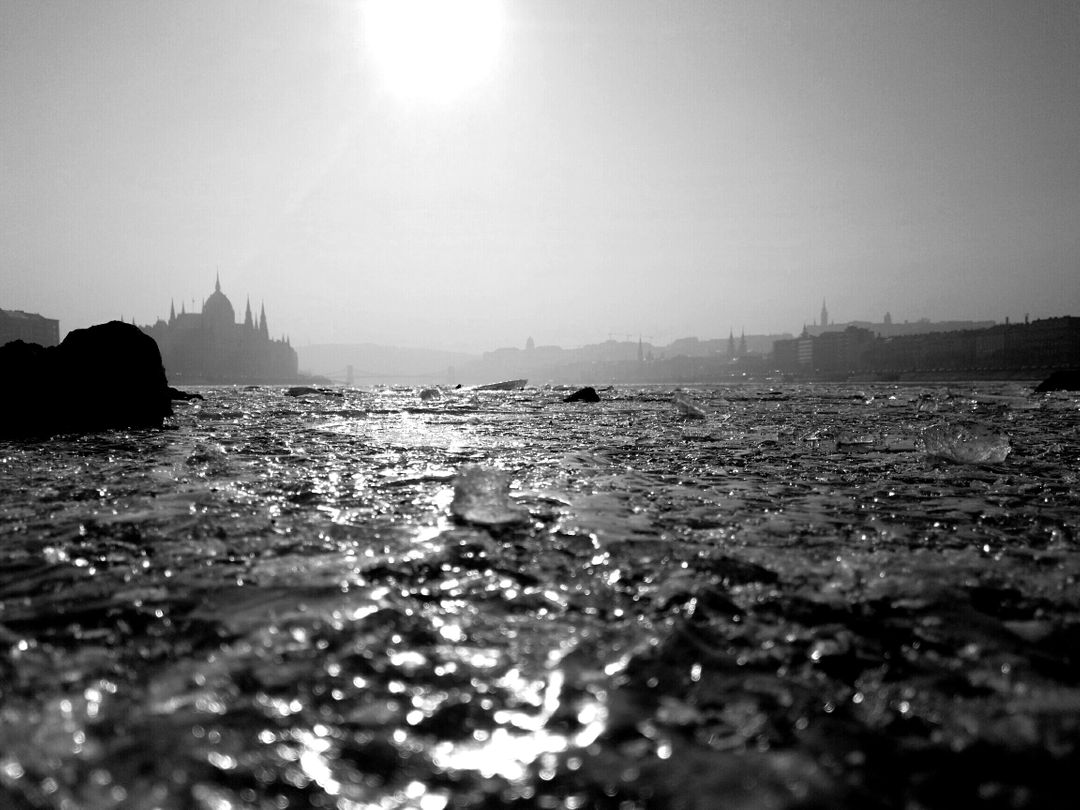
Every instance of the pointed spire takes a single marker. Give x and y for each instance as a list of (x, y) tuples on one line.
[(172, 311), (217, 282), (248, 323), (262, 322)]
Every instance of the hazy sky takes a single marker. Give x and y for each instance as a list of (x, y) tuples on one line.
[(561, 169)]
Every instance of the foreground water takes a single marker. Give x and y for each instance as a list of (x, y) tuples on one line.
[(794, 602)]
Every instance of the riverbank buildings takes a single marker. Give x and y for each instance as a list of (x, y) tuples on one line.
[(211, 347), (28, 327), (1031, 349)]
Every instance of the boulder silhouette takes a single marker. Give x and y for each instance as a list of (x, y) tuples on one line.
[(106, 376), (1064, 380)]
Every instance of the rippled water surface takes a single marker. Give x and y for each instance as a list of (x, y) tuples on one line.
[(811, 597)]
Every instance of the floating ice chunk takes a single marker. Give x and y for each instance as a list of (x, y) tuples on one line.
[(688, 408), (482, 497), (855, 438), (307, 390), (430, 393), (505, 385), (966, 443)]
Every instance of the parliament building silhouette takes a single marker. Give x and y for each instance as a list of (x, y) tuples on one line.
[(210, 347)]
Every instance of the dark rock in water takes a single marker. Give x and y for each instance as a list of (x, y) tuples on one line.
[(1068, 380), (107, 376), (177, 394), (586, 394)]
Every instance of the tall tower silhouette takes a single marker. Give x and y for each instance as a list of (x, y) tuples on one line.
[(824, 314)]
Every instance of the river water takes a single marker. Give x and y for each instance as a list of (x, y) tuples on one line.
[(794, 602)]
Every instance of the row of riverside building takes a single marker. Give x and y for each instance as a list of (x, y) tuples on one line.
[(28, 327), (1032, 346), (212, 347)]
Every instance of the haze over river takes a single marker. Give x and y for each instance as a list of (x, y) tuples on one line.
[(794, 602)]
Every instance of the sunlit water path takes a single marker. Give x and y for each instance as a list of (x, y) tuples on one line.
[(788, 603)]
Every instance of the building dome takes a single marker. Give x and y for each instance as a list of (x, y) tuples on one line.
[(218, 310)]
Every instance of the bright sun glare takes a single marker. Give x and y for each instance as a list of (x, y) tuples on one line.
[(432, 49)]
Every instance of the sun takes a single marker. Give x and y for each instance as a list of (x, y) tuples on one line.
[(431, 49)]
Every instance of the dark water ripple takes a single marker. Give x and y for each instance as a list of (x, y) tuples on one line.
[(795, 602)]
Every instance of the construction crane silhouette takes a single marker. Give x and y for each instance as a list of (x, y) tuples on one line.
[(626, 336)]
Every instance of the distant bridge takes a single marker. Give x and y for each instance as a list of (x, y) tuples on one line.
[(349, 375)]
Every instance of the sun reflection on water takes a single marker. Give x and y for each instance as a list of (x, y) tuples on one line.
[(506, 753)]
